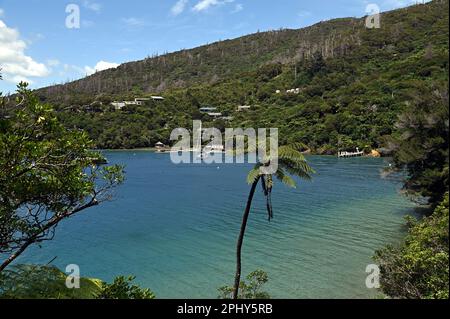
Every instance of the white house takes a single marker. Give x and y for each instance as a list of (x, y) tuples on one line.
[(118, 105), (244, 107), (293, 91), (207, 109), (212, 114), (141, 100), (137, 101)]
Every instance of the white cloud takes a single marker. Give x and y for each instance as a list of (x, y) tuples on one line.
[(87, 23), (203, 5), (100, 66), (71, 70), (133, 22), (303, 14), (237, 8), (33, 38), (16, 65), (53, 62), (395, 4), (94, 6), (179, 7)]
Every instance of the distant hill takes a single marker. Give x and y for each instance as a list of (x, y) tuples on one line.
[(220, 60), (351, 81)]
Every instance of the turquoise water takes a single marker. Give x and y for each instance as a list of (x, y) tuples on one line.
[(175, 227)]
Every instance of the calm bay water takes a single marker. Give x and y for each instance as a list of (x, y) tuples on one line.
[(175, 227)]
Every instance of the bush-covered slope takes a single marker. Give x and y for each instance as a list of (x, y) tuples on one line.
[(418, 269), (353, 83)]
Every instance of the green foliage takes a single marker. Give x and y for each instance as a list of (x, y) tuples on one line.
[(419, 268), (48, 174), (422, 143), (43, 282), (290, 161), (48, 282), (122, 288), (419, 143), (269, 71), (250, 289)]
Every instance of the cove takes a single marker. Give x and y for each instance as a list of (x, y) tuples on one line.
[(175, 227)]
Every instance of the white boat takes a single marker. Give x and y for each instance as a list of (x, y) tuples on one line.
[(202, 155)]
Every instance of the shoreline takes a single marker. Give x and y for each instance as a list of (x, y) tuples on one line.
[(155, 150)]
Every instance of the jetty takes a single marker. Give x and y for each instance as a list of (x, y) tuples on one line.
[(351, 154)]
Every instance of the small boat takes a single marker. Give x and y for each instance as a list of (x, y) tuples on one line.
[(202, 155)]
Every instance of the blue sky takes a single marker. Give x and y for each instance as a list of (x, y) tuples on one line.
[(37, 46)]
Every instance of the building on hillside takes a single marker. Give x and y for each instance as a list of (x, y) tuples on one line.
[(118, 105), (215, 114), (244, 107), (293, 91), (141, 100), (207, 109)]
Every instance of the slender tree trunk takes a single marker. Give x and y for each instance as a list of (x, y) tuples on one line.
[(237, 278)]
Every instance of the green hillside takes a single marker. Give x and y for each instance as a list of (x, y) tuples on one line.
[(352, 82)]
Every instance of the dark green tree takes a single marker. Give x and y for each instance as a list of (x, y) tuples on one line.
[(250, 289), (418, 268), (422, 144), (122, 288), (48, 282), (43, 282), (47, 174)]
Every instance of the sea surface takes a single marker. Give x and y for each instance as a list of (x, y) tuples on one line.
[(175, 227)]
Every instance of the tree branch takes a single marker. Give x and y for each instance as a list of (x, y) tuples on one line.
[(53, 222)]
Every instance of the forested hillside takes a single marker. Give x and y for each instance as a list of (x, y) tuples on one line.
[(353, 83)]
